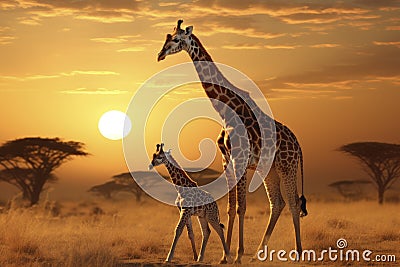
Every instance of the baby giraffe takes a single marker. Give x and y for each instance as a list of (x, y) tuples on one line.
[(192, 201)]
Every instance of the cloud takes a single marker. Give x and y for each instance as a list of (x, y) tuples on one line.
[(114, 40), (98, 91), (243, 25), (340, 80), (5, 36), (58, 75), (258, 46), (243, 47), (324, 45), (396, 44), (238, 25), (33, 21), (89, 72), (392, 28), (4, 40), (281, 46), (132, 49), (325, 18), (103, 11)]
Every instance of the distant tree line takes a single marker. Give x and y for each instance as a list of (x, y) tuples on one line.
[(29, 164)]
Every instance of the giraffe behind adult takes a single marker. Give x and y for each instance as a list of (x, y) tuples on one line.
[(288, 155), (191, 201)]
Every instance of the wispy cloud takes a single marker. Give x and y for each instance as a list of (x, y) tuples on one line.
[(4, 40), (58, 75), (98, 91), (99, 11), (132, 49), (258, 46), (109, 40), (388, 43), (115, 40), (243, 47), (281, 46), (211, 29), (89, 72), (392, 28), (5, 36), (324, 45)]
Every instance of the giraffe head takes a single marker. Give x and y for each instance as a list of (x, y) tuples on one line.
[(160, 157), (176, 42)]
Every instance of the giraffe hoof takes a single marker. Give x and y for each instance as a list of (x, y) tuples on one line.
[(238, 261), (223, 261)]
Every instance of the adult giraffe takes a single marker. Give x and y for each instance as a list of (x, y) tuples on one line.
[(257, 137)]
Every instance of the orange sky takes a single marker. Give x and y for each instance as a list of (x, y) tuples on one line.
[(329, 69)]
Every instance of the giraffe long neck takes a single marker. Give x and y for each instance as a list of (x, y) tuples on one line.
[(178, 176), (209, 74), (215, 84)]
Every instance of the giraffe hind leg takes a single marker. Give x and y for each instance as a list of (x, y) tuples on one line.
[(218, 227), (205, 230), (289, 178)]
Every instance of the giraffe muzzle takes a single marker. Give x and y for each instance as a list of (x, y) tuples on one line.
[(162, 55)]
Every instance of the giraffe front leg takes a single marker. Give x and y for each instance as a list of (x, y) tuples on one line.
[(272, 187), (191, 237), (178, 231), (231, 209), (241, 211)]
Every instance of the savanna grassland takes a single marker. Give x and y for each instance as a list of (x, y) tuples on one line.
[(126, 233)]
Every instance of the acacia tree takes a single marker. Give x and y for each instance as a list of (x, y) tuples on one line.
[(28, 163), (131, 186), (108, 189), (381, 161), (350, 190)]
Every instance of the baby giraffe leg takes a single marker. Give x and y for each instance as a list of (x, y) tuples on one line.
[(191, 237), (205, 230), (220, 231), (178, 231)]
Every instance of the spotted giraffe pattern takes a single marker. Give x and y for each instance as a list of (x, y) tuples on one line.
[(191, 201), (227, 99)]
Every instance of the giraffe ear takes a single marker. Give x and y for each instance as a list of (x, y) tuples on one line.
[(188, 30)]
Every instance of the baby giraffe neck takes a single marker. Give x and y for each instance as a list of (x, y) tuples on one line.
[(178, 176)]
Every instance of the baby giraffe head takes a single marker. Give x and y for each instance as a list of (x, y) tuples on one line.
[(160, 157), (176, 42)]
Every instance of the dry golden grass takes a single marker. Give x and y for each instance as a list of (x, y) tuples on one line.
[(131, 234)]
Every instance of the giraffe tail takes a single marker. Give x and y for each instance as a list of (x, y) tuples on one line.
[(303, 200), (303, 207)]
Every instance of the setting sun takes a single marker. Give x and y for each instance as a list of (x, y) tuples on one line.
[(114, 125)]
